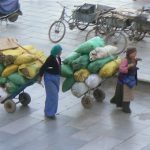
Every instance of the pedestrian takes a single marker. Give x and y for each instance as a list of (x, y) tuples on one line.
[(127, 80), (50, 70)]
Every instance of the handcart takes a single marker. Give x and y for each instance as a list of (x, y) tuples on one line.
[(23, 97)]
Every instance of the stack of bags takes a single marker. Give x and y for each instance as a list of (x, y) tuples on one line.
[(87, 65), (17, 67)]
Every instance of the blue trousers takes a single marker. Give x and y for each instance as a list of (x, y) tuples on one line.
[(52, 83)]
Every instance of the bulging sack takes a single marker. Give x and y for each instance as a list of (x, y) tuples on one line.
[(110, 68), (88, 46), (95, 66), (102, 52), (81, 75), (9, 70), (67, 84), (81, 62), (24, 58), (79, 88), (93, 81), (66, 70), (72, 56)]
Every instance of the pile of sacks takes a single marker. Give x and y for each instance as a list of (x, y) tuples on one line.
[(17, 67), (87, 65)]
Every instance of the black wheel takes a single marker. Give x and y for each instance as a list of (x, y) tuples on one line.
[(81, 25), (24, 99), (13, 17), (87, 102), (57, 31), (10, 106), (118, 39), (99, 95)]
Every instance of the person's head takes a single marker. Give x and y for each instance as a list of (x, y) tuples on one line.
[(56, 50), (131, 52)]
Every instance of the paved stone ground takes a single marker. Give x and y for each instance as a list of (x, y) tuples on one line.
[(103, 127)]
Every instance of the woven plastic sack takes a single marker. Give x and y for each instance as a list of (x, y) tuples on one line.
[(66, 70), (16, 52), (79, 88), (72, 56), (3, 80), (102, 52), (95, 66), (8, 60), (11, 87), (81, 62), (16, 78), (24, 58), (81, 75), (3, 94), (88, 46), (30, 70), (93, 81), (9, 70), (67, 84), (110, 68)]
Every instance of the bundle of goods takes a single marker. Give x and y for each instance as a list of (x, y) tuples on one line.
[(87, 65), (17, 67)]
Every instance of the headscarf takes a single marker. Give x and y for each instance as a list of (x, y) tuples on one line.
[(130, 51), (56, 50)]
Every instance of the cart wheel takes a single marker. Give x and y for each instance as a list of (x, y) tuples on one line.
[(99, 95), (87, 102), (10, 106), (24, 99)]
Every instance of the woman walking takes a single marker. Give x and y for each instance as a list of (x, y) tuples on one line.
[(50, 70), (127, 80)]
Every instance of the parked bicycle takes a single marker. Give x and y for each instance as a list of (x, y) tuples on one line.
[(58, 28)]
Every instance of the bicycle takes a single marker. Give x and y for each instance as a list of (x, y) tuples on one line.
[(58, 28)]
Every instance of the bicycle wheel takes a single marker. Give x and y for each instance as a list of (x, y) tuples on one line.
[(117, 39), (81, 25), (57, 31)]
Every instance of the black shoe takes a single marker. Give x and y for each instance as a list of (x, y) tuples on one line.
[(51, 117), (126, 107)]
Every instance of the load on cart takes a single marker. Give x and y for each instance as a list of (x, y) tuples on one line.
[(19, 66), (9, 9), (87, 67)]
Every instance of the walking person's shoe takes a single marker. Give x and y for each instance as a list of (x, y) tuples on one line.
[(126, 107), (51, 117)]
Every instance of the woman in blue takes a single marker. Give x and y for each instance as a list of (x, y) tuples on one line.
[(51, 71)]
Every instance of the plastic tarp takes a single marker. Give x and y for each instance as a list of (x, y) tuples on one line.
[(8, 6)]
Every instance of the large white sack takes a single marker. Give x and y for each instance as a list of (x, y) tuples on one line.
[(3, 94), (79, 88), (93, 81), (102, 52)]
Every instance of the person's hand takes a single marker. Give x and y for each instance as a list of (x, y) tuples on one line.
[(138, 59), (131, 65)]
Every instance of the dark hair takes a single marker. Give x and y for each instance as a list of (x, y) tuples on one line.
[(129, 51)]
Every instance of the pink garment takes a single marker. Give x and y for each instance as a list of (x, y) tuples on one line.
[(123, 68)]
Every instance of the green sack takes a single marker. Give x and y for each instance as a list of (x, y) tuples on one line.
[(95, 66), (72, 56), (11, 87), (88, 46), (66, 70), (67, 84), (3, 80), (17, 79), (1, 68), (81, 62)]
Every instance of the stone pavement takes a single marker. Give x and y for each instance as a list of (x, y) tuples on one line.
[(103, 127)]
